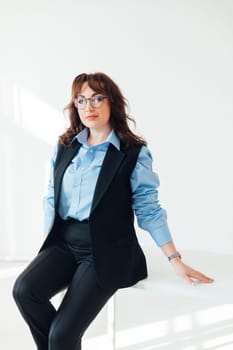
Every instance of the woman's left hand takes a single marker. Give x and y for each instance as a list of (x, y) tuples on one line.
[(188, 273)]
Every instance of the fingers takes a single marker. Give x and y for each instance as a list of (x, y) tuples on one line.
[(190, 275), (188, 279), (200, 276), (206, 279)]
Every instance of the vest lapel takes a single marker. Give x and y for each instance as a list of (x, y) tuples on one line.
[(110, 165), (68, 153)]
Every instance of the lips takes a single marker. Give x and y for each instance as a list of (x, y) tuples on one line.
[(91, 116)]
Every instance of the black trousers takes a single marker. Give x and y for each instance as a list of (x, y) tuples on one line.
[(66, 264)]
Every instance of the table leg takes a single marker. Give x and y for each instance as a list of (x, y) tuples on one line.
[(111, 337)]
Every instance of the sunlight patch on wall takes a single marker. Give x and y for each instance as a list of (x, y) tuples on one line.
[(37, 116), (182, 323), (147, 332), (223, 342), (214, 315), (209, 329)]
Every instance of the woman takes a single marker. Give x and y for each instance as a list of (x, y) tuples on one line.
[(101, 175)]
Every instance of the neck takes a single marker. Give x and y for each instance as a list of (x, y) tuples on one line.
[(97, 136)]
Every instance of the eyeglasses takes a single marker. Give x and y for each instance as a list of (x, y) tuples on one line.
[(95, 101)]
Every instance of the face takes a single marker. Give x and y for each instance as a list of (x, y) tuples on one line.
[(97, 118)]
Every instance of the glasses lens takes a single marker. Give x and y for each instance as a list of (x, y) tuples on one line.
[(96, 101), (80, 102)]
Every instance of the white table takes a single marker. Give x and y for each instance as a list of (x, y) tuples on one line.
[(162, 280)]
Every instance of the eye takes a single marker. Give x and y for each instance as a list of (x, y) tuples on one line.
[(81, 100), (97, 99)]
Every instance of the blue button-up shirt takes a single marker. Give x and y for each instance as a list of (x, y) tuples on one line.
[(79, 183)]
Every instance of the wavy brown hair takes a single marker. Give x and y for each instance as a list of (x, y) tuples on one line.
[(119, 119)]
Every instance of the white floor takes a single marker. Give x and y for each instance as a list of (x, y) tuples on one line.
[(144, 321)]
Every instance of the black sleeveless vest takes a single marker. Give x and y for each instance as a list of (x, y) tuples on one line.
[(118, 258)]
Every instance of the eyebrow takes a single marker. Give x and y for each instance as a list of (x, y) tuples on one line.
[(95, 93)]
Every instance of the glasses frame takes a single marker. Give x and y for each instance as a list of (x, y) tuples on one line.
[(90, 99)]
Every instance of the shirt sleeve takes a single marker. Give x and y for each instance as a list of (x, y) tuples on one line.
[(150, 215), (48, 200)]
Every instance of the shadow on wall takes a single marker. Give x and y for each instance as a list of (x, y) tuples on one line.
[(28, 133)]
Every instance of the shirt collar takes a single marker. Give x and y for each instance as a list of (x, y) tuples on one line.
[(112, 138)]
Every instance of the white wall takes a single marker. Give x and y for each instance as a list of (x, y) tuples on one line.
[(173, 61)]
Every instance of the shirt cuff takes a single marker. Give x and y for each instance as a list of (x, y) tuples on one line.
[(161, 235)]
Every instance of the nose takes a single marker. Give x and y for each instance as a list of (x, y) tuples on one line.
[(88, 106)]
